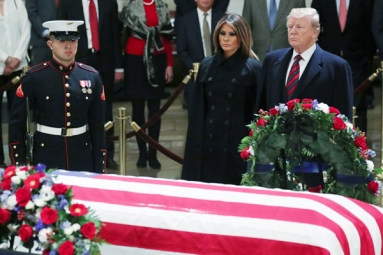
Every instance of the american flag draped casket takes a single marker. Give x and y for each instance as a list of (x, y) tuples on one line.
[(159, 216)]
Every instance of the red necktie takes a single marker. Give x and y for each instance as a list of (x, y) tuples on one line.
[(57, 2), (94, 25), (342, 14), (293, 77)]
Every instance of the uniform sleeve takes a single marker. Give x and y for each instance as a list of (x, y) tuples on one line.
[(33, 16), (17, 121), (96, 127)]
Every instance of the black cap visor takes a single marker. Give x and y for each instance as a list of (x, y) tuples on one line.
[(65, 35)]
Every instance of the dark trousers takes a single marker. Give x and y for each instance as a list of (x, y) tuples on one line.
[(10, 95), (138, 114), (108, 82)]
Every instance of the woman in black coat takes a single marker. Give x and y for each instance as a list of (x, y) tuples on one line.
[(225, 100)]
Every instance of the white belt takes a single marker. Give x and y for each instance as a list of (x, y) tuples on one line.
[(61, 131)]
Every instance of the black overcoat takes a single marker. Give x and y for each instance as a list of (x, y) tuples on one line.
[(224, 103)]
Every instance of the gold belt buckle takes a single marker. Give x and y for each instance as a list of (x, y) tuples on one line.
[(66, 131)]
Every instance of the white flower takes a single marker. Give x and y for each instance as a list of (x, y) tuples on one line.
[(11, 202), (46, 193), (43, 235), (39, 202), (21, 174), (4, 246), (71, 238), (68, 231), (30, 205), (16, 180), (38, 212), (76, 227), (323, 107), (370, 165), (66, 208), (251, 151)]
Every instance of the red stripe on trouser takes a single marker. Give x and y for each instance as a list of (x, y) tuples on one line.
[(199, 243), (183, 204)]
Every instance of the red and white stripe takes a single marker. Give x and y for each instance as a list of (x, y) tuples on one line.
[(158, 216)]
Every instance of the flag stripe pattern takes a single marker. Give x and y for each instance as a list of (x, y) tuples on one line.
[(158, 216)]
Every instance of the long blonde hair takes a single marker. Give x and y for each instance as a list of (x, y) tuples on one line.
[(242, 30)]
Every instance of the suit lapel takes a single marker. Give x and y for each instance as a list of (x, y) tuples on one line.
[(77, 5), (332, 12), (263, 10), (281, 10), (214, 20), (312, 69), (101, 8), (280, 70), (197, 30), (352, 11)]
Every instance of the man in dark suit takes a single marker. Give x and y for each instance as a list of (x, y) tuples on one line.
[(351, 38), (258, 14), (190, 43), (321, 75), (377, 26), (103, 54), (40, 11), (184, 7)]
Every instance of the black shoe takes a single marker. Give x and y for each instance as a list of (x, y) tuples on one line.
[(141, 163), (111, 164), (154, 163)]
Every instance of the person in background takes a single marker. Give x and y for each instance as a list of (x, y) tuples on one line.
[(377, 26), (66, 97), (148, 66), (99, 47), (224, 102), (346, 32), (184, 7), (40, 11), (192, 46), (267, 20), (15, 35)]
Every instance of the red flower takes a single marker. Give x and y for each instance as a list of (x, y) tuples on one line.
[(46, 252), (307, 106), (25, 232), (59, 189), (373, 187), (6, 184), (78, 210), (338, 124), (245, 153), (23, 196), (4, 216), (88, 230), (48, 215), (261, 122), (307, 101), (360, 142), (274, 111), (316, 189), (9, 172), (24, 168), (251, 133), (32, 181), (332, 109), (66, 248), (291, 103)]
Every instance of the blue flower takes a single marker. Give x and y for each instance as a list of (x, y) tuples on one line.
[(53, 252), (65, 224), (86, 253), (39, 225), (4, 196), (63, 203), (40, 168)]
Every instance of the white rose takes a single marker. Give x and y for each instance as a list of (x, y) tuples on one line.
[(30, 205), (21, 174), (370, 165), (46, 193), (16, 180), (323, 107), (66, 208), (68, 231), (76, 227), (39, 202), (43, 234), (11, 202), (4, 246), (251, 151), (71, 238), (38, 212)]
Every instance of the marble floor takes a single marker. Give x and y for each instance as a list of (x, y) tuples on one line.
[(173, 135)]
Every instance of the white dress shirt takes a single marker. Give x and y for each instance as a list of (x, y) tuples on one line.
[(201, 18), (306, 56), (15, 33), (268, 5), (338, 3), (85, 6)]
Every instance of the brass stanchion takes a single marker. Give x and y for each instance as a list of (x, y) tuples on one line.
[(354, 116), (122, 125), (195, 70)]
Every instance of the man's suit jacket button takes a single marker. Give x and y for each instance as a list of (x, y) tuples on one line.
[(210, 79), (233, 80)]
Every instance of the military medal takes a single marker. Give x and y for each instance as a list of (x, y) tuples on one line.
[(89, 91), (83, 90), (86, 84)]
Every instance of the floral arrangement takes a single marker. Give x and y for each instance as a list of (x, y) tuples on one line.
[(36, 209), (291, 136)]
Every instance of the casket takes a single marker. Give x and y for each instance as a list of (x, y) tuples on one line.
[(160, 216)]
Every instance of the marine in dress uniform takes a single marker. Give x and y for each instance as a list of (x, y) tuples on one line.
[(68, 103)]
